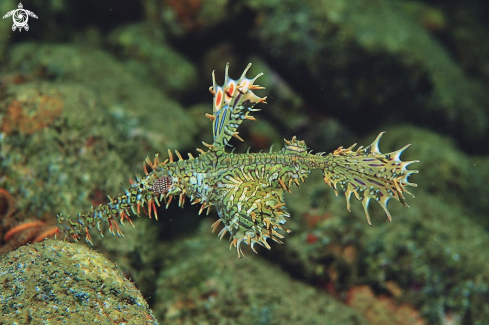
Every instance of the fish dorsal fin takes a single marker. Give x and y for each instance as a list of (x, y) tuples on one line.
[(232, 103)]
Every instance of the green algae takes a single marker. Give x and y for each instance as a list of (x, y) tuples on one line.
[(447, 172), (58, 165), (402, 65), (201, 283), (152, 59), (116, 88), (434, 251), (181, 18), (60, 283), (140, 254), (103, 124), (403, 251)]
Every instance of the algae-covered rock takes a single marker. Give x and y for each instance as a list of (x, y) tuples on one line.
[(445, 170), (481, 169), (204, 283), (432, 255), (371, 61), (75, 124), (57, 147), (182, 17), (153, 59), (116, 88), (139, 254), (60, 283)]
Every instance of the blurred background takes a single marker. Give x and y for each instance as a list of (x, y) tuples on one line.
[(92, 88)]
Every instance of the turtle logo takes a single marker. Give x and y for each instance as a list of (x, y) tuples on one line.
[(20, 17)]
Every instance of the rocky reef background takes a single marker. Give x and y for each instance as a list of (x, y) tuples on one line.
[(94, 87)]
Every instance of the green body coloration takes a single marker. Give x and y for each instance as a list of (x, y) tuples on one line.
[(247, 190)]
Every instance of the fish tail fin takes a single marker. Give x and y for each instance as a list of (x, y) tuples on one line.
[(369, 174)]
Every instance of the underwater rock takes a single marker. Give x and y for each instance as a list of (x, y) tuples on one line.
[(183, 17), (432, 256), (57, 147), (57, 283), (372, 61), (201, 284), (149, 57), (73, 124), (115, 87)]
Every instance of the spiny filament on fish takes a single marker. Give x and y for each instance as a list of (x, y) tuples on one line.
[(247, 190)]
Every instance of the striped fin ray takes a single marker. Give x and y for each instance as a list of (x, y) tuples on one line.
[(233, 101), (369, 174)]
